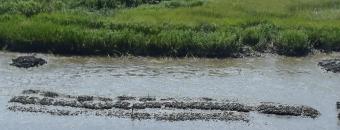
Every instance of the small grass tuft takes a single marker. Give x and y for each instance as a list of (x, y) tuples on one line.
[(293, 43)]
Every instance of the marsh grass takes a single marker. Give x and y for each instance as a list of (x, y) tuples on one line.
[(207, 28), (292, 42)]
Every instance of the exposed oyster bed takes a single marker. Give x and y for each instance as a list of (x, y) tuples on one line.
[(28, 62), (332, 65), (169, 109)]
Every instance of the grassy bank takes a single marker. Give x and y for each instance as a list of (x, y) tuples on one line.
[(207, 28)]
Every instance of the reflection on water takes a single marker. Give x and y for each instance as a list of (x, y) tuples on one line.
[(269, 78)]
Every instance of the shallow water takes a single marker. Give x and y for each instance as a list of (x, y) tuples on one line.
[(249, 80)]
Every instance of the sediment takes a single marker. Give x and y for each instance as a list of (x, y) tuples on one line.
[(170, 109)]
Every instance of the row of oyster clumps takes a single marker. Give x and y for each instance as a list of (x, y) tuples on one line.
[(173, 109)]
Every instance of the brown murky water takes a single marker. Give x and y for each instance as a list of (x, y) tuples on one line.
[(268, 78)]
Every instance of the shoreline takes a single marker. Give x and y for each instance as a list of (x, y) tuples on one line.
[(252, 54)]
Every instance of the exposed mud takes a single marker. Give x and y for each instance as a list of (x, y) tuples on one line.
[(170, 109), (28, 62), (331, 65)]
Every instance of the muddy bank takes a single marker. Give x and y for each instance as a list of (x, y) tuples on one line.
[(332, 65), (28, 62), (171, 109)]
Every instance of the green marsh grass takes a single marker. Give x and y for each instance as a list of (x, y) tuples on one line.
[(207, 28)]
